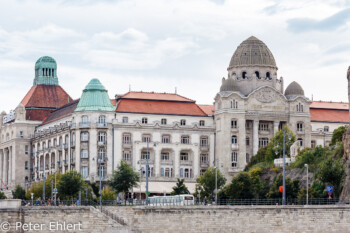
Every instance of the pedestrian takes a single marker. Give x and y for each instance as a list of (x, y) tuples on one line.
[(205, 200)]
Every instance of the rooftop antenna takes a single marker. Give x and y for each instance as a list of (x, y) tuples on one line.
[(312, 97), (129, 87), (175, 90)]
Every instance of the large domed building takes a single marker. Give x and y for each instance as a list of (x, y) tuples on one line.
[(50, 132), (252, 106)]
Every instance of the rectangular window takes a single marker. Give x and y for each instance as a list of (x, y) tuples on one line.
[(126, 156), (202, 123), (264, 126), (202, 171), (101, 137), (247, 125), (247, 141), (166, 139), (126, 138), (247, 157), (146, 138), (184, 156), (84, 154), (144, 120), (234, 139), (326, 129), (204, 159), (168, 172), (84, 136), (165, 156), (185, 140), (125, 119), (26, 165), (144, 155), (182, 122), (26, 149), (299, 127), (234, 124), (263, 142), (21, 134), (85, 171), (234, 159), (204, 141), (163, 121)]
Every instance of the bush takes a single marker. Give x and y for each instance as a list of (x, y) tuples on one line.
[(241, 187), (108, 194), (2, 196), (19, 193)]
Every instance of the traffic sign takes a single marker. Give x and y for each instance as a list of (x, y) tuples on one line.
[(86, 192), (329, 188), (55, 190)]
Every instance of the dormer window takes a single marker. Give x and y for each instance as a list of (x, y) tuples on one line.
[(244, 75), (234, 104), (268, 75), (182, 122), (300, 107), (144, 120)]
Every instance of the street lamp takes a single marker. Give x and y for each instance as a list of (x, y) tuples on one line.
[(307, 183), (284, 166), (49, 150), (100, 158)]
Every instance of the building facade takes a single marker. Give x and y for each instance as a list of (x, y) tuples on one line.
[(49, 132)]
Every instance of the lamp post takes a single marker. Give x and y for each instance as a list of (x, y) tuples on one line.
[(147, 155), (307, 183), (284, 168), (43, 173)]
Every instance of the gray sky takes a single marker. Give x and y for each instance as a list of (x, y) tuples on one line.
[(158, 45)]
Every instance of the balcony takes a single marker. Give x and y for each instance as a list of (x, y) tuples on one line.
[(204, 147), (127, 145), (264, 132), (101, 143), (150, 161), (101, 125), (84, 124), (72, 144), (166, 162), (186, 162), (204, 163), (60, 147), (234, 146), (65, 146)]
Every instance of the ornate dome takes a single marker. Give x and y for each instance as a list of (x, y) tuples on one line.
[(228, 85), (294, 89), (46, 62), (251, 52), (95, 98)]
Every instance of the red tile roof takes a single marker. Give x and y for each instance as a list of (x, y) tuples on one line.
[(62, 112), (329, 105), (42, 99), (156, 96), (159, 107), (326, 115), (46, 96), (208, 109)]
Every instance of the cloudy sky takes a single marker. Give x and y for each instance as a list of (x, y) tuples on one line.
[(157, 45)]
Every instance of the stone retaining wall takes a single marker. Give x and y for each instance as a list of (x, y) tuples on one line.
[(260, 219)]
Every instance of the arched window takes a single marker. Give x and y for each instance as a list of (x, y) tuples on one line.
[(234, 104), (85, 119), (268, 75), (300, 107), (102, 119), (234, 139), (257, 74), (244, 75)]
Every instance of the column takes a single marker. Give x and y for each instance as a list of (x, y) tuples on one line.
[(50, 160), (63, 159), (157, 161), (255, 137), (10, 166), (177, 163), (1, 162), (275, 127), (4, 171)]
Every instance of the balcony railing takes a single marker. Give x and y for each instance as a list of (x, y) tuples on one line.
[(101, 125), (204, 147), (166, 162), (186, 162), (84, 124), (204, 163), (234, 146), (101, 143)]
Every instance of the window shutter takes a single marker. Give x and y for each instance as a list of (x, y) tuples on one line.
[(181, 172), (162, 171)]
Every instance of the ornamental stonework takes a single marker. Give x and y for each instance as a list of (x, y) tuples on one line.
[(266, 96)]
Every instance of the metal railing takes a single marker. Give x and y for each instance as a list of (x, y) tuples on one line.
[(278, 201)]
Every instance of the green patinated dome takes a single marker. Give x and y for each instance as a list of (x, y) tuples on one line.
[(95, 98), (45, 71)]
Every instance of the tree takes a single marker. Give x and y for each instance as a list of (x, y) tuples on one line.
[(332, 172), (2, 196), (124, 178), (96, 189), (260, 187), (338, 135), (241, 187), (70, 184), (292, 188), (207, 181), (180, 188), (19, 193), (108, 194), (37, 188)]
